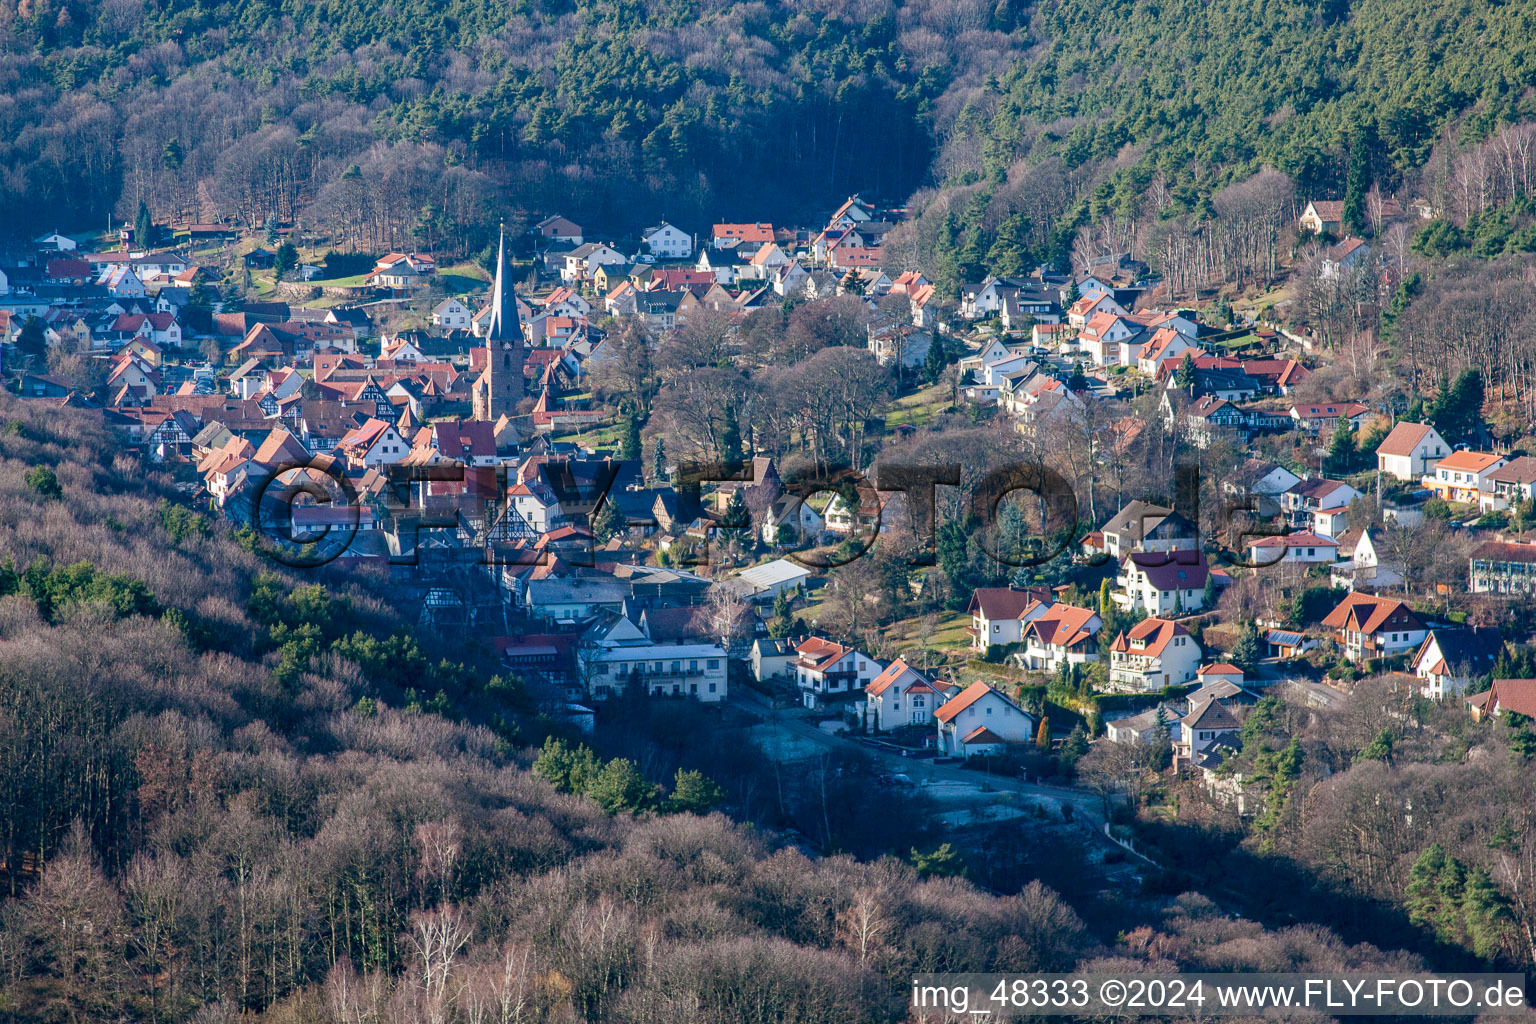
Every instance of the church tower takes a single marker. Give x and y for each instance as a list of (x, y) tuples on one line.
[(500, 387)]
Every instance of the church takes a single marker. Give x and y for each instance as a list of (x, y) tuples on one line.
[(500, 387)]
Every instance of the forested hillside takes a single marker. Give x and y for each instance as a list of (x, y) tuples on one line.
[(402, 123), (412, 121)]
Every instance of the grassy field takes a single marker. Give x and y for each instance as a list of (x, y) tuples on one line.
[(920, 408)]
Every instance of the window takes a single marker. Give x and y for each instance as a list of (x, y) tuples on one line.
[(712, 663), (693, 666), (676, 665), (711, 687)]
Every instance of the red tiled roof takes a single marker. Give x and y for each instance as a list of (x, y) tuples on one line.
[(1155, 634), (1403, 439), (1363, 613)]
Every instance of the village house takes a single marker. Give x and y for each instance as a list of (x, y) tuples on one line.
[(1305, 503), (1057, 635), (1368, 627), (1208, 724), (1091, 304), (403, 272), (828, 672), (771, 659), (1363, 568), (1515, 481), (1160, 583), (376, 443), (1324, 418), (1142, 729), (582, 261), (556, 228), (452, 315), (616, 654), (1304, 548), (1463, 476), (996, 613), (1322, 216), (730, 236), (1155, 653), (1503, 697), (981, 720), (667, 242), (1410, 451), (1450, 660), (901, 696)]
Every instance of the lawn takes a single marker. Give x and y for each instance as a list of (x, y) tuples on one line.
[(920, 408), (606, 436)]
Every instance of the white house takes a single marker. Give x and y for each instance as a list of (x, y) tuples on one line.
[(827, 671), (375, 443), (1207, 724), (1162, 583), (998, 613), (574, 600), (1141, 729), (1450, 660), (1463, 476), (1363, 569), (697, 671), (452, 315), (901, 696), (1154, 654), (980, 720), (56, 242), (1410, 451), (771, 659), (1304, 548), (1369, 627), (1060, 634), (667, 242)]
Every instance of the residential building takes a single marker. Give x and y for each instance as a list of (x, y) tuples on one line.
[(981, 720), (1155, 653), (1410, 451), (1324, 418), (771, 659), (1506, 696), (901, 696), (1368, 627), (1515, 481), (1322, 216), (1502, 567), (1160, 583), (1451, 660), (1304, 548), (662, 670), (1208, 724), (1057, 635), (828, 672), (667, 242), (997, 613), (1463, 476)]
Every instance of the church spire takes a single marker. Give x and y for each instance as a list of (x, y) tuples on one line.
[(503, 299)]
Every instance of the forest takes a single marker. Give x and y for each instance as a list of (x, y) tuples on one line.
[(422, 123)]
